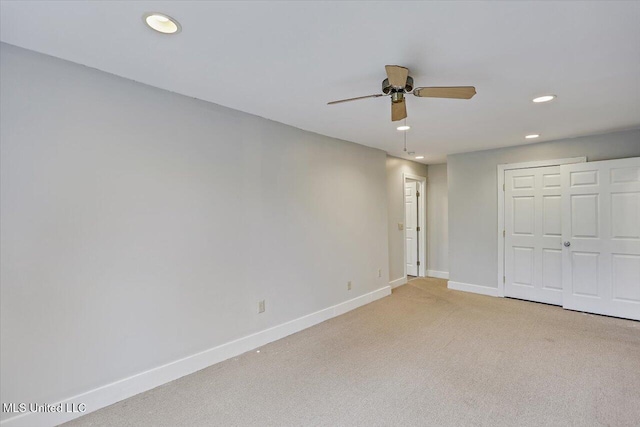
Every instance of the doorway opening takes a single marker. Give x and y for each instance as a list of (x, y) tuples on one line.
[(414, 190)]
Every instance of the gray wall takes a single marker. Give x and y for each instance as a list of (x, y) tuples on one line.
[(395, 196), (437, 219), (139, 226), (473, 200)]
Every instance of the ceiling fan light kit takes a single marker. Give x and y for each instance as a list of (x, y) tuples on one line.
[(399, 82)]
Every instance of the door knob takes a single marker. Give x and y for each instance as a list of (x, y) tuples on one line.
[(567, 244)]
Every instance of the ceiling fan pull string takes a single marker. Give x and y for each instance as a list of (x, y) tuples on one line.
[(405, 136)]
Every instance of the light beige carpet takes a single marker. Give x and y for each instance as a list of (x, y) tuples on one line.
[(424, 356)]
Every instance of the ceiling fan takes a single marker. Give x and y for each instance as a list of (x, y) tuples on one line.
[(398, 83)]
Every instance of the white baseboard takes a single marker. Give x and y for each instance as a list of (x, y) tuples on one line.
[(127, 387), (398, 282), (438, 274), (476, 289)]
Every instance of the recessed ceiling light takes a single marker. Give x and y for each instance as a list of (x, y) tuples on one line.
[(405, 127), (533, 135), (162, 23), (419, 157), (545, 98)]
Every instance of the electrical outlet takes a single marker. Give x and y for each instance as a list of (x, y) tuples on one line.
[(261, 306), (379, 272), (349, 285)]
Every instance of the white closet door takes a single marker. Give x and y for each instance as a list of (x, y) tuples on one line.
[(411, 224), (533, 245), (601, 235)]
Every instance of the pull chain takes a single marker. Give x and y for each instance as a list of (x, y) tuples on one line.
[(405, 136)]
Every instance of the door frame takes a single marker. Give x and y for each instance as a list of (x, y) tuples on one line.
[(422, 223), (501, 169)]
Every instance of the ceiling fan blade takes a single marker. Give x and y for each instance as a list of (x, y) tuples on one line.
[(397, 75), (398, 110), (355, 99), (458, 92)]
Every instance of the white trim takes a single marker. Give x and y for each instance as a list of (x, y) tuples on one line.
[(398, 282), (127, 387), (438, 274), (476, 289), (509, 166), (422, 221)]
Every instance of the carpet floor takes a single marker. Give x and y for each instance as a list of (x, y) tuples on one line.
[(424, 356)]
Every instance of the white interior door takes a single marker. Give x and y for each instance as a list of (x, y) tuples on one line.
[(601, 234), (411, 224), (533, 234)]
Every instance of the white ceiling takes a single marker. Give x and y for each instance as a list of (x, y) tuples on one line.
[(286, 60)]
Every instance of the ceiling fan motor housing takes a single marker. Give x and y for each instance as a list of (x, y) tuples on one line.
[(387, 88)]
